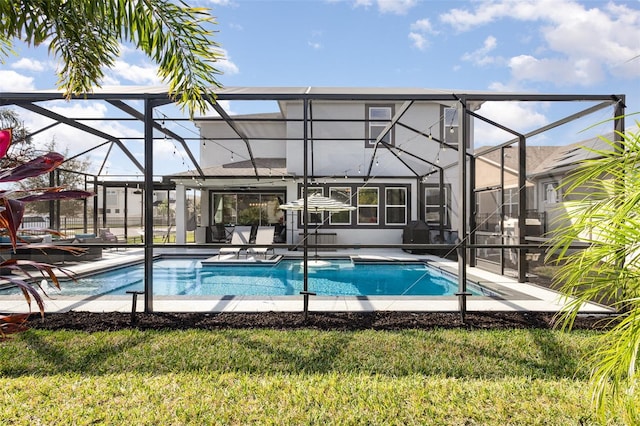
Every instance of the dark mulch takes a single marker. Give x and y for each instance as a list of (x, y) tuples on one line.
[(92, 322)]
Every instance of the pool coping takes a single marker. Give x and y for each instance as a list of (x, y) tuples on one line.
[(514, 296)]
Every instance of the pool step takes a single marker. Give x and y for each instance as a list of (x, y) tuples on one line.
[(230, 259), (383, 259)]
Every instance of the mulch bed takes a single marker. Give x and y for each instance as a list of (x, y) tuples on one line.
[(111, 321)]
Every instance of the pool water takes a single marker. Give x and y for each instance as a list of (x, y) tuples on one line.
[(188, 277)]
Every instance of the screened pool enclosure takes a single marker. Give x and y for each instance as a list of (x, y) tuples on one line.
[(486, 190)]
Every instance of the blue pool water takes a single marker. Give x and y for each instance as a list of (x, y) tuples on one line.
[(341, 278)]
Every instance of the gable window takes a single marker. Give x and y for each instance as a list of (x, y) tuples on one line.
[(377, 118), (396, 206), (368, 201), (342, 194), (450, 124)]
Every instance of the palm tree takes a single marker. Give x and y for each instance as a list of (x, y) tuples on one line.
[(85, 34), (607, 217)]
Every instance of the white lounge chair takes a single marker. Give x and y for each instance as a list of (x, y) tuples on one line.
[(241, 237), (264, 237)]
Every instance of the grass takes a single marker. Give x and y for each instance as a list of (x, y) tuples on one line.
[(448, 377)]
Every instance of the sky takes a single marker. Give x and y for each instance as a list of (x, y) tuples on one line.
[(541, 46)]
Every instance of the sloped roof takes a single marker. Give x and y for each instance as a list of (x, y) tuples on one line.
[(536, 154), (545, 159), (566, 157)]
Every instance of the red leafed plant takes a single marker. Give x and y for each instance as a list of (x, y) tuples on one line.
[(12, 207)]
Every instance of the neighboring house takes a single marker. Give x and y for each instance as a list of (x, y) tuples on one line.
[(253, 163), (112, 202), (487, 185), (550, 176), (546, 170)]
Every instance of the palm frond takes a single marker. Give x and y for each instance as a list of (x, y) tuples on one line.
[(606, 219)]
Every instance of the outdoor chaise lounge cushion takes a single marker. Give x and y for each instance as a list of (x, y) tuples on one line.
[(107, 235), (241, 237), (264, 237)]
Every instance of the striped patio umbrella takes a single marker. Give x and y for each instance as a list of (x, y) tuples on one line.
[(317, 204)]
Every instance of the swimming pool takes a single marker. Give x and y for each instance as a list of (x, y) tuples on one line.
[(341, 277)]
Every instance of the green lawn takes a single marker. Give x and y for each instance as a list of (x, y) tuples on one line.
[(443, 377)]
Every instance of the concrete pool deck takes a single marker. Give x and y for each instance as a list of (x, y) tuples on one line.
[(514, 296)]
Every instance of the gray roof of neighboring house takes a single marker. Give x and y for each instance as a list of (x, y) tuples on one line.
[(566, 157), (536, 154), (550, 159)]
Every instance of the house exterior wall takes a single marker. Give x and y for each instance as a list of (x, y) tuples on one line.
[(338, 156), (115, 202), (216, 150), (348, 154)]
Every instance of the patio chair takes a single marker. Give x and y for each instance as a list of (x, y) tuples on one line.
[(264, 237), (241, 236), (219, 233)]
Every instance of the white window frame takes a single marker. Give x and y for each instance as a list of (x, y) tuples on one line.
[(377, 206), (450, 121), (430, 207), (340, 188), (396, 206), (377, 123)]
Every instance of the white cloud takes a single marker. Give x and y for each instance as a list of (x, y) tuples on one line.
[(582, 44), (314, 45), (226, 105), (423, 26), (11, 81), (225, 64), (419, 30), (398, 7), (521, 117), (488, 11), (584, 72), (76, 140), (145, 75), (499, 86), (606, 37), (418, 41), (481, 56), (126, 49), (29, 65), (363, 3)]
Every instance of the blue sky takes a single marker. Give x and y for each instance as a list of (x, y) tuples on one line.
[(544, 46)]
